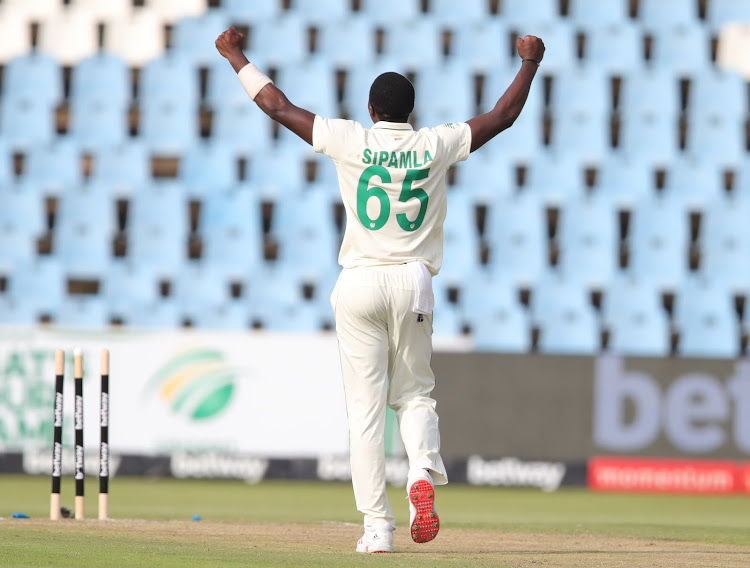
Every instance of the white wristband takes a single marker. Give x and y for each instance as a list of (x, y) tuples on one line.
[(253, 80)]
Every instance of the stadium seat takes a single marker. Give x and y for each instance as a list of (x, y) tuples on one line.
[(482, 47), (317, 12), (84, 231), (231, 316), (486, 176), (276, 301), (311, 85), (50, 168), (255, 12), (725, 242), (637, 322), (40, 285), (125, 286), (706, 320), (717, 139), (198, 287), (236, 119), (15, 29), (348, 46), (588, 238), (658, 241), (461, 245), (456, 15), (447, 319), (695, 181), (143, 24), (69, 35), (158, 228), (7, 166), (624, 181), (522, 13), (598, 14), (303, 226), (101, 76), (649, 92), (497, 321), (658, 15), (444, 94), (279, 42), (161, 314), (280, 170), (84, 312), (123, 169), (683, 50), (515, 230), (566, 320), (22, 222), (717, 93), (652, 138), (722, 12), (32, 89), (413, 45), (194, 36), (614, 49), (14, 313), (232, 231), (559, 39), (553, 179), (381, 12), (207, 168), (582, 137)]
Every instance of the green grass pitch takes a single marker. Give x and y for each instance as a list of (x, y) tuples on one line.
[(316, 524)]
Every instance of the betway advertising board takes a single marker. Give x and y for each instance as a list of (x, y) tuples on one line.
[(255, 393)]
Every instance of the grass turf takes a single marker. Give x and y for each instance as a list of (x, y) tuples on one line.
[(316, 524)]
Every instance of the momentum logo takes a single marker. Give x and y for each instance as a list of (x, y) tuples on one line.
[(197, 385)]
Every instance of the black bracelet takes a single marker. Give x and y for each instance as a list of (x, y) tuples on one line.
[(538, 63)]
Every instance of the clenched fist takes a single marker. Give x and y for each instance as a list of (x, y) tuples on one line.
[(530, 47), (229, 44)]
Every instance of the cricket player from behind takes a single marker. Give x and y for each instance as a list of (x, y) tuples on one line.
[(392, 183)]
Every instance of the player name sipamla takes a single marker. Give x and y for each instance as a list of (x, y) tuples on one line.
[(410, 159)]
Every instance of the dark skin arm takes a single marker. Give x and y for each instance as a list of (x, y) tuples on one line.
[(271, 100), (486, 126)]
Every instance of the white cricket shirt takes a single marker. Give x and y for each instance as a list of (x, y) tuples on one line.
[(392, 182)]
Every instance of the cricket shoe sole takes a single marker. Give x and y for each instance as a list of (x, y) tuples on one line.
[(425, 523)]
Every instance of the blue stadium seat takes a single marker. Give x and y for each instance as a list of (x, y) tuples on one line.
[(457, 15), (482, 47), (598, 14), (497, 321), (720, 12), (99, 101), (625, 181), (162, 314), (444, 94), (658, 241), (706, 320), (637, 322), (486, 176), (717, 139), (560, 43), (198, 287), (22, 222), (305, 231), (194, 36), (616, 49), (717, 93), (697, 182), (447, 318), (255, 12), (279, 42), (40, 284), (232, 230), (158, 228), (348, 46), (725, 242), (653, 138), (121, 169), (51, 168), (7, 166), (32, 89), (382, 11), (236, 121), (14, 313), (461, 245), (523, 13), (311, 85), (553, 178), (683, 50), (276, 301), (589, 240), (581, 137), (658, 15), (126, 287), (208, 167), (515, 230), (649, 92), (554, 290), (84, 231), (413, 45), (317, 12), (281, 169), (85, 312), (232, 316)]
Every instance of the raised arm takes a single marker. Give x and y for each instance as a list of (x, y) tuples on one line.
[(270, 99), (486, 126)]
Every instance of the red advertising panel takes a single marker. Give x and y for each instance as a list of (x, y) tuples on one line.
[(611, 473), (745, 478)]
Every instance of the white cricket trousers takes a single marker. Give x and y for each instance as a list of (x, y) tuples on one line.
[(385, 351)]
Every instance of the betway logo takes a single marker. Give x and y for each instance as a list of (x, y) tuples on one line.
[(696, 412), (512, 472), (333, 468), (211, 465), (37, 462)]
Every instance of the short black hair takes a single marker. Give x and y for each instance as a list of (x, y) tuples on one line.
[(392, 97)]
